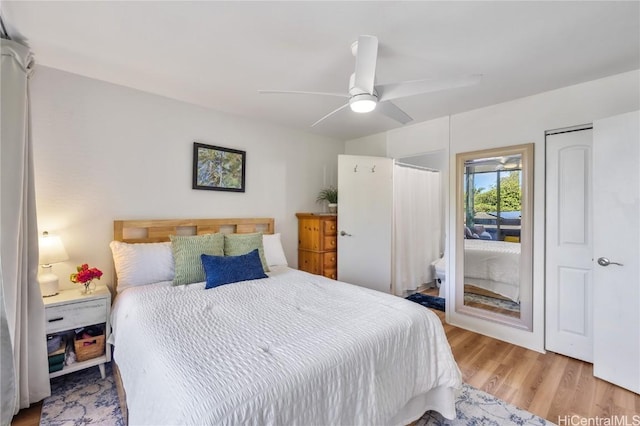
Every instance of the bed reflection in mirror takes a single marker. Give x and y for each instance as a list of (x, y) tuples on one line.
[(494, 242)]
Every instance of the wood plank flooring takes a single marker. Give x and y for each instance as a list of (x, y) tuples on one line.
[(549, 385), (28, 416)]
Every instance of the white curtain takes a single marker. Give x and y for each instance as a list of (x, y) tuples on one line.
[(417, 228), (24, 373)]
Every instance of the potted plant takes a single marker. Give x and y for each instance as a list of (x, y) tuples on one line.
[(330, 195)]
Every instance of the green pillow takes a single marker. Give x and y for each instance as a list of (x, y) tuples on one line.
[(237, 244), (186, 254)]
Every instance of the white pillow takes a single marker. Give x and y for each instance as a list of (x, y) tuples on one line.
[(142, 264), (273, 251)]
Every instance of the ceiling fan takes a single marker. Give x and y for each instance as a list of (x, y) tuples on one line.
[(365, 95)]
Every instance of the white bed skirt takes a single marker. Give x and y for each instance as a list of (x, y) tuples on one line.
[(440, 399)]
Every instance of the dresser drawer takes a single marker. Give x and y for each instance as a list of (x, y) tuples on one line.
[(330, 242), (330, 259), (75, 315), (330, 227), (331, 273)]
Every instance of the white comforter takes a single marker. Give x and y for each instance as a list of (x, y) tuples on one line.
[(294, 348)]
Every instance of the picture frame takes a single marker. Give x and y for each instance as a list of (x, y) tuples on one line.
[(218, 169)]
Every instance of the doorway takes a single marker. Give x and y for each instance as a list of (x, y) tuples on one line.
[(366, 219), (438, 162)]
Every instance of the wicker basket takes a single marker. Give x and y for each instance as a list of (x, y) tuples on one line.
[(93, 350)]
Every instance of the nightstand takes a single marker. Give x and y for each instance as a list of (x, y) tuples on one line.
[(69, 310)]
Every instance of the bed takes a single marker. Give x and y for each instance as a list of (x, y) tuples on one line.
[(292, 348), (494, 266)]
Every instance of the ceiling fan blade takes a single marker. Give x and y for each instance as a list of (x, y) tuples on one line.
[(387, 92), (330, 114), (294, 92), (392, 111), (366, 57)]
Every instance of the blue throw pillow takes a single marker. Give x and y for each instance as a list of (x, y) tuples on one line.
[(220, 270)]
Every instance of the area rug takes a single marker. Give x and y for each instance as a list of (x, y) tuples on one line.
[(432, 302), (475, 407), (83, 398)]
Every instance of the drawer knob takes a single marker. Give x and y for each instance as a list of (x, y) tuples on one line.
[(56, 319)]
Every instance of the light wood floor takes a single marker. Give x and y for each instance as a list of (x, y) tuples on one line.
[(548, 385), (28, 416)]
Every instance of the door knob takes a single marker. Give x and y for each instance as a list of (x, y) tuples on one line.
[(345, 234), (603, 261)]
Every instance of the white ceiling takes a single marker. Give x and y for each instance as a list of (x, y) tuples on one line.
[(218, 54)]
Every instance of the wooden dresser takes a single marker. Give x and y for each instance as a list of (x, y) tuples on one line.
[(318, 244)]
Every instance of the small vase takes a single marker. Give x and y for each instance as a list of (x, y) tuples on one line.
[(89, 286), (333, 208)]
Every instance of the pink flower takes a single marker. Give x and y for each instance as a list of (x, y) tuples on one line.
[(85, 274)]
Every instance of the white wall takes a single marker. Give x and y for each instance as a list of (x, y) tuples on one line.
[(520, 121), (419, 138), (523, 121), (105, 152), (374, 146), (415, 139)]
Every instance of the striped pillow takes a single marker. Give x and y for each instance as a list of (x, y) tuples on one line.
[(237, 244), (187, 250)]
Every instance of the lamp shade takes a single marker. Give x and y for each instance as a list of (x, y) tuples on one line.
[(51, 249)]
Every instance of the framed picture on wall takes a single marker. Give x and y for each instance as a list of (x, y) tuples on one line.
[(218, 169)]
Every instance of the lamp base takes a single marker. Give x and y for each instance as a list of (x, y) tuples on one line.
[(48, 282)]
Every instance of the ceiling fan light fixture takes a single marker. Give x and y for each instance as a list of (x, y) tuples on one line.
[(363, 103), (364, 94)]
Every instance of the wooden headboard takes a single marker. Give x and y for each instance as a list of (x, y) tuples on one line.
[(156, 231)]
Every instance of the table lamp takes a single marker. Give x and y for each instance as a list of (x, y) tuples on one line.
[(51, 251)]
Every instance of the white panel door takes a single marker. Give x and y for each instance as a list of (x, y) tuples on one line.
[(365, 214), (616, 190), (569, 245)]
